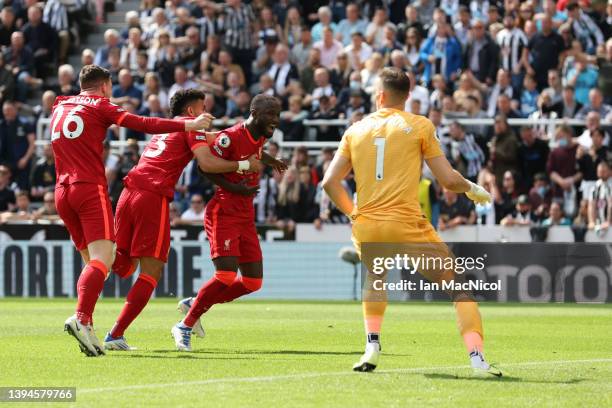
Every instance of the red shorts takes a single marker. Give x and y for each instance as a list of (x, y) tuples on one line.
[(230, 235), (86, 211), (142, 224)]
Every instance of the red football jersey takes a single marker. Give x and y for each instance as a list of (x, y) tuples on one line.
[(237, 143), (163, 161), (78, 130)]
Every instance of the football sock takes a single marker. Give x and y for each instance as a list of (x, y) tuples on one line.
[(469, 324), (136, 300), (207, 295), (373, 313), (89, 287), (123, 265), (241, 286)]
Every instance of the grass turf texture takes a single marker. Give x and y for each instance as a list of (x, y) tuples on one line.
[(300, 354)]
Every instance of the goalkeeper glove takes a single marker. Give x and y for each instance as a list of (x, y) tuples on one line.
[(478, 194)]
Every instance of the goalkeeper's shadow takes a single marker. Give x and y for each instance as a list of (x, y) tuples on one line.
[(505, 378)]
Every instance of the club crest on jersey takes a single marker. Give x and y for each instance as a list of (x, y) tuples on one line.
[(226, 245), (224, 141)]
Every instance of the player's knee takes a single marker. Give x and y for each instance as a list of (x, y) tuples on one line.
[(252, 284), (152, 267), (225, 277), (123, 266)]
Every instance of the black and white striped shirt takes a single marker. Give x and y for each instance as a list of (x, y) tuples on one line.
[(238, 32), (209, 27), (511, 44)]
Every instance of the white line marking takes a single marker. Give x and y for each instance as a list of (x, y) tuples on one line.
[(328, 374)]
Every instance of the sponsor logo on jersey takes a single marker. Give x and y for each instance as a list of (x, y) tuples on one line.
[(200, 137)]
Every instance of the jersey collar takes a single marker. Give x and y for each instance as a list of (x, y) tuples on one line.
[(249, 135)]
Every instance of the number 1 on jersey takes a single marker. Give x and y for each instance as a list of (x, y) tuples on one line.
[(379, 142)]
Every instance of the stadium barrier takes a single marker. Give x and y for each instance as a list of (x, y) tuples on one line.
[(317, 271)]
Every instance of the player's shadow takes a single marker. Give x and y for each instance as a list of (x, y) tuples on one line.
[(178, 355), (505, 378), (282, 352)]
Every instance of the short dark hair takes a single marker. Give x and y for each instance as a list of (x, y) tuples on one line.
[(396, 82), (263, 101), (182, 99), (92, 76)]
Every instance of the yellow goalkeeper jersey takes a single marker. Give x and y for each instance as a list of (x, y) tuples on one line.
[(386, 150)]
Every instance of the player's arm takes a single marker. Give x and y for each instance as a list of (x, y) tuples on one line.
[(338, 169), (152, 125), (451, 179), (209, 163), (241, 188)]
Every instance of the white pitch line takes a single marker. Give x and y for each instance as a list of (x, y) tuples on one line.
[(328, 374)]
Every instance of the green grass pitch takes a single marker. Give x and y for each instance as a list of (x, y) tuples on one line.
[(282, 354)]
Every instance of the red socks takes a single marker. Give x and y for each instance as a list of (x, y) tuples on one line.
[(207, 294), (89, 287), (136, 300), (240, 287)]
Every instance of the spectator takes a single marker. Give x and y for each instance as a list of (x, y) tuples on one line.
[(412, 49), (195, 213), (323, 88), (482, 54), (181, 81), (220, 72), (467, 88), (41, 39), (529, 96), (152, 86), (282, 71), (466, 156), (7, 26), (65, 81), (506, 195), (43, 175), (152, 108), (583, 78), (326, 110), (20, 59), (503, 86), (543, 52), (7, 81), (589, 158), (595, 104), (350, 24), (556, 216), (130, 51), (584, 28), (532, 155), (441, 54), (600, 201), (291, 120), (340, 74), (593, 123), (111, 40), (561, 166), (504, 148), (125, 91), (56, 15), (191, 54), (568, 107), (462, 24), (16, 144), (455, 210), (47, 212), (555, 88), (292, 30), (512, 41), (418, 93), (329, 48), (358, 51), (7, 194), (44, 110), (522, 215), (375, 32), (540, 196), (21, 212), (325, 21), (295, 201), (241, 110), (373, 66), (300, 51)]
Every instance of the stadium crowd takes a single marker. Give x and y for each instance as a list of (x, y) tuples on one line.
[(466, 60)]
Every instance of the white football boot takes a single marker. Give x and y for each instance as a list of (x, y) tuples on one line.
[(95, 341), (184, 306), (80, 333), (117, 343), (480, 367), (182, 337), (369, 360)]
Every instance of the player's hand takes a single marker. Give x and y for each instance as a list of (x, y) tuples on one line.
[(255, 164), (200, 123), (243, 188), (278, 165), (478, 194)]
